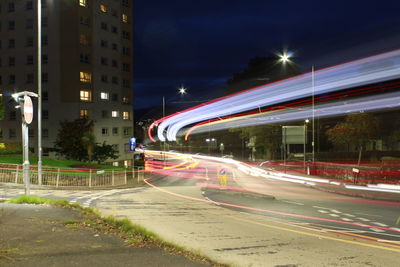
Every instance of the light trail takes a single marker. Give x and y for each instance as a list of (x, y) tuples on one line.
[(371, 103), (374, 69)]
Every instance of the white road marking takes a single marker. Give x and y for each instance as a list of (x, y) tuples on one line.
[(377, 230), (347, 219), (333, 215), (336, 211), (364, 219), (292, 202), (323, 211), (380, 224), (317, 207), (349, 215), (212, 201)]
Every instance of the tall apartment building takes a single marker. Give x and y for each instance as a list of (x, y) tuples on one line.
[(86, 68)]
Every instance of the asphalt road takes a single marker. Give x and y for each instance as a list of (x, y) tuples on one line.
[(298, 226)]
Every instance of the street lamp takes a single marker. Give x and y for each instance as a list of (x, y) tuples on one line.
[(24, 102), (285, 57), (305, 142), (39, 87), (182, 90)]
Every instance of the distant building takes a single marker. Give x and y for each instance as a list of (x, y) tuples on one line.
[(86, 68)]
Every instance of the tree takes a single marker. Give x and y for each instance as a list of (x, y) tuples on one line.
[(259, 71), (89, 141), (268, 139), (1, 108), (103, 152), (356, 129), (70, 140), (76, 141)]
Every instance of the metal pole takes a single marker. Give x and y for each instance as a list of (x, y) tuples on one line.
[(163, 102), (26, 157), (313, 114), (305, 140), (39, 85)]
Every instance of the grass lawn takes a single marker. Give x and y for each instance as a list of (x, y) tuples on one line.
[(17, 159)]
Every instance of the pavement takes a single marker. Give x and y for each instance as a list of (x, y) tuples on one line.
[(34, 235)]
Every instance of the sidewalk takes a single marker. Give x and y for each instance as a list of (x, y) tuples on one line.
[(36, 235)]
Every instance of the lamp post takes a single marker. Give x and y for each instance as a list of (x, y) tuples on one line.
[(313, 114), (25, 104), (39, 87), (305, 142)]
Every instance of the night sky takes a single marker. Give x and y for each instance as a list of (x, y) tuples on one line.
[(200, 44)]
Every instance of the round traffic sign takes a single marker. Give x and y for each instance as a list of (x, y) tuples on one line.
[(28, 110)]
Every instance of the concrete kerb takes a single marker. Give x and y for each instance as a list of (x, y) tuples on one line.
[(252, 195)]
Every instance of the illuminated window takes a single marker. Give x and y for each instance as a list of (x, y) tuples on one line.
[(83, 3), (103, 8), (125, 100), (85, 95), (115, 164), (114, 114), (83, 40), (125, 115), (83, 113), (85, 77), (104, 95), (124, 18)]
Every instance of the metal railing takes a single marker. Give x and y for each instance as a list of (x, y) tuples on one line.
[(69, 177)]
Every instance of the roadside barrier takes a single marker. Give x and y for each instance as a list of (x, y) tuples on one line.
[(71, 177)]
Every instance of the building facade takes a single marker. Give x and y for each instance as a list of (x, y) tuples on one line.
[(86, 68)]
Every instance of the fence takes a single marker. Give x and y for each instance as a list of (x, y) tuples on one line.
[(66, 177)]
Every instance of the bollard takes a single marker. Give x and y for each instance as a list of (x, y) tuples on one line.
[(58, 177), (16, 174), (90, 178)]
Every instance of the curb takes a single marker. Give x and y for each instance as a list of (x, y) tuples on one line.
[(252, 195)]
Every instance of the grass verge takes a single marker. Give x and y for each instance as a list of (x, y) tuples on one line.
[(134, 235)]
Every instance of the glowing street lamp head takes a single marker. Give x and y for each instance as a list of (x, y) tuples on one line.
[(285, 57), (182, 90)]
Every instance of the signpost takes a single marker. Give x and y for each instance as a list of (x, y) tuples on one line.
[(25, 103), (132, 144)]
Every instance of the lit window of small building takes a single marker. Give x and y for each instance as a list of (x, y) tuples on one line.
[(115, 164), (85, 77), (125, 18), (126, 115), (83, 40), (85, 95), (83, 3), (103, 8), (114, 114), (104, 96), (125, 100), (83, 113)]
